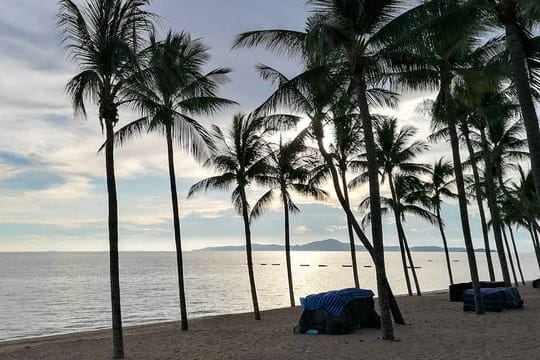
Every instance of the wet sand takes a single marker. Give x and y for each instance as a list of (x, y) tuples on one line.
[(436, 329)]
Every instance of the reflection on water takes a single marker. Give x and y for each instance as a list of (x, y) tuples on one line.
[(52, 293)]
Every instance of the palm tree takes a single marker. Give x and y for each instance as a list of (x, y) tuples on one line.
[(346, 146), (505, 147), (169, 89), (396, 151), (441, 184), (240, 155), (408, 197), (438, 58), (517, 18), (524, 193), (289, 170), (357, 29), (498, 143), (313, 93), (103, 38)]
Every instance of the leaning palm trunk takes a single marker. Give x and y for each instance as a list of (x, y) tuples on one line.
[(462, 197), (350, 231), (480, 203), (521, 81), (375, 208), (409, 256), (443, 236), (177, 237), (494, 209), (386, 293), (118, 342), (535, 242), (509, 255), (249, 256), (288, 249), (518, 261), (400, 238)]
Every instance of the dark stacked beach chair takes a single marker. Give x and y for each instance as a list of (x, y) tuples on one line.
[(457, 290), (338, 312), (494, 299), (536, 284)]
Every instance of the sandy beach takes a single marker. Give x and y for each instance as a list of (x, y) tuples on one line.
[(436, 329)]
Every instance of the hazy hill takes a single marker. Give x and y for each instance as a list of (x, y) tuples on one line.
[(324, 245)]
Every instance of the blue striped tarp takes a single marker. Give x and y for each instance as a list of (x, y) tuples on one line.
[(333, 302)]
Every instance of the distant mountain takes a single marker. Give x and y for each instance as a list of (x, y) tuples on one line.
[(325, 245)]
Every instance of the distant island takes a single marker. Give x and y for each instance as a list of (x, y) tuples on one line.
[(325, 245)]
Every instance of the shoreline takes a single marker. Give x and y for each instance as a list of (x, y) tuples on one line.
[(437, 329), (167, 322)]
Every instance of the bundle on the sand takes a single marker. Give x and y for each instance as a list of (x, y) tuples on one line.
[(495, 299), (457, 290), (338, 312)]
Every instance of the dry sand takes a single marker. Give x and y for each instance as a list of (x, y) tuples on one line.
[(437, 329)]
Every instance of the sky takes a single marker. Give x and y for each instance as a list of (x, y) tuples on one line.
[(52, 181)]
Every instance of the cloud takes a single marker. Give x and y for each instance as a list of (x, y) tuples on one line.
[(334, 228), (52, 181), (300, 229)]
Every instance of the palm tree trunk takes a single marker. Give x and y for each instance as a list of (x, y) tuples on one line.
[(528, 112), (480, 203), (462, 197), (443, 236), (375, 209), (389, 300), (118, 342), (409, 256), (493, 208), (249, 254), (288, 249), (177, 237), (518, 261), (535, 231), (400, 238), (509, 255), (534, 239), (350, 230)]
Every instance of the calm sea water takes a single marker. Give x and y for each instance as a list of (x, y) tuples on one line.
[(54, 293)]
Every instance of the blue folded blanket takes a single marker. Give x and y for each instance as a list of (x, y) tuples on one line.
[(333, 302)]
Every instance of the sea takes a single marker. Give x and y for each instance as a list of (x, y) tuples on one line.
[(54, 293)]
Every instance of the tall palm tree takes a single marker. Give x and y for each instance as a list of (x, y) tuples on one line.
[(506, 147), (498, 143), (169, 89), (408, 197), (396, 150), (441, 54), (103, 38), (357, 30), (441, 183), (517, 18), (289, 170), (313, 93), (347, 144), (240, 156), (525, 194)]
